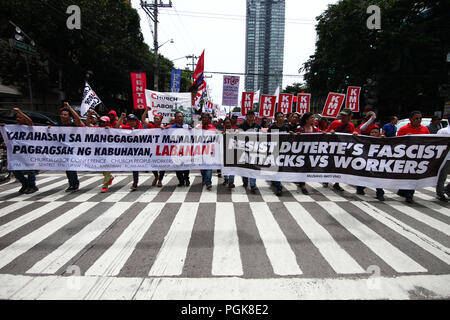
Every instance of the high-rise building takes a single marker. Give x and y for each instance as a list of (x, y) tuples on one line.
[(264, 45)]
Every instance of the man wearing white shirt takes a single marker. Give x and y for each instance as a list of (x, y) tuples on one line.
[(440, 190)]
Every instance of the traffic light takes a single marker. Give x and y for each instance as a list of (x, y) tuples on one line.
[(347, 77), (315, 73)]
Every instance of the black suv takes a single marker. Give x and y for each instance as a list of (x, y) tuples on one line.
[(8, 116)]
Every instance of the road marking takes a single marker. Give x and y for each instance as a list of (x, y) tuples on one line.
[(424, 218), (281, 256), (14, 206), (422, 240), (210, 196), (294, 190), (171, 256), (226, 255), (113, 259), (12, 190), (27, 218), (327, 192), (336, 256), (399, 261), (85, 196), (25, 243)]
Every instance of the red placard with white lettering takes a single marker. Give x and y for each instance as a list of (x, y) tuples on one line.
[(352, 101), (304, 103), (333, 104), (285, 103), (247, 102), (267, 106), (139, 84)]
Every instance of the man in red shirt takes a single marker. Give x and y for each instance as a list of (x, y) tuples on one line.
[(413, 127), (343, 126)]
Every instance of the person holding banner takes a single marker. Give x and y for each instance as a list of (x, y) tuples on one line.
[(28, 183), (375, 132), (413, 127), (292, 119), (157, 124), (206, 125), (306, 126), (368, 124), (440, 189), (133, 124), (104, 122), (278, 126), (389, 129), (66, 114), (249, 125), (343, 126), (229, 128), (183, 176)]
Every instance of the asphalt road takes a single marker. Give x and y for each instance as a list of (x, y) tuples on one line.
[(190, 243)]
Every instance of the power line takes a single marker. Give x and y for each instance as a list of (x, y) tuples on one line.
[(256, 74)]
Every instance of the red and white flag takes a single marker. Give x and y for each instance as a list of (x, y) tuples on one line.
[(352, 101), (197, 77), (333, 104), (267, 106), (303, 103), (285, 103), (196, 100), (139, 84), (246, 102), (256, 96)]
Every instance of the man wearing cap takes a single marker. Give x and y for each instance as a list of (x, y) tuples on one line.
[(183, 176), (104, 122), (157, 124), (343, 126)]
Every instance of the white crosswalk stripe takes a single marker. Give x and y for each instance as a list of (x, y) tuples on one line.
[(225, 256)]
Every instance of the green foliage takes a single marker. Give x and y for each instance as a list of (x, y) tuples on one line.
[(400, 67), (110, 44)]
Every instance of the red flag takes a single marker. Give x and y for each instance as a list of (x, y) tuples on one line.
[(198, 73), (247, 102), (333, 104), (285, 103), (139, 84), (304, 103), (352, 101), (267, 106)]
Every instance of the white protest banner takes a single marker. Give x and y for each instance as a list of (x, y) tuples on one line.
[(352, 101), (90, 100), (167, 103), (230, 95), (101, 149), (285, 103), (333, 104), (267, 106), (247, 102), (303, 103)]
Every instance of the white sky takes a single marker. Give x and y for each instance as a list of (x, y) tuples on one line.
[(219, 27)]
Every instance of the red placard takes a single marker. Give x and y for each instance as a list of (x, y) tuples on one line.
[(304, 103), (333, 104), (247, 102), (285, 103), (352, 101), (267, 106), (139, 84)]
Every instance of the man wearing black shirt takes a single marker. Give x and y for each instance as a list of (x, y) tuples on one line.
[(249, 125), (279, 126)]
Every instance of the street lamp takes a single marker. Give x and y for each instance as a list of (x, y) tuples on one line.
[(156, 76)]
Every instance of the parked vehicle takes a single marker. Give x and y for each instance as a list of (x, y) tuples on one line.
[(8, 116), (425, 122)]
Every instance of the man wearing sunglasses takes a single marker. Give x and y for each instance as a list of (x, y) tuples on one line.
[(414, 127)]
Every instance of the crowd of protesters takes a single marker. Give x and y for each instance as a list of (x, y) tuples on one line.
[(293, 123)]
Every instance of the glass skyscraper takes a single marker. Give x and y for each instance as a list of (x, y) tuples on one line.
[(264, 48)]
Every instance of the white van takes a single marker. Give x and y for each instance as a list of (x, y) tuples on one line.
[(425, 122)]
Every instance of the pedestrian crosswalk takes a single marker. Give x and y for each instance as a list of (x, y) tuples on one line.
[(190, 232)]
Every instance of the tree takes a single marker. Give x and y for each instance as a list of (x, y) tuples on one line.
[(110, 45), (399, 67)]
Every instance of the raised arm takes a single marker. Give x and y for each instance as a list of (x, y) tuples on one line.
[(26, 118), (119, 123), (75, 115), (144, 117)]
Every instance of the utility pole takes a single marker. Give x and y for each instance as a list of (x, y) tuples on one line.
[(152, 11), (193, 64)]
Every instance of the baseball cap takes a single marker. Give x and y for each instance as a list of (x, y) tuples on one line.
[(105, 119), (346, 112), (132, 117), (158, 116)]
